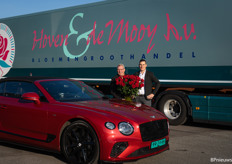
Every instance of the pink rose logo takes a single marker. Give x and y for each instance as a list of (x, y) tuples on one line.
[(3, 46), (7, 49)]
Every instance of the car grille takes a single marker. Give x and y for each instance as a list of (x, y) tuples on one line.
[(154, 130)]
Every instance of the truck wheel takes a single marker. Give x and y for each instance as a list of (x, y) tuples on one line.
[(174, 109)]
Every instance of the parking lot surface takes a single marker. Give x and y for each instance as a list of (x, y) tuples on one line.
[(189, 144)]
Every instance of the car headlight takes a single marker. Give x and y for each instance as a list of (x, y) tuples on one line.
[(125, 128), (110, 125)]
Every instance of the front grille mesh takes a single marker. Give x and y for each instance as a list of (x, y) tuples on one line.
[(118, 148), (154, 130)]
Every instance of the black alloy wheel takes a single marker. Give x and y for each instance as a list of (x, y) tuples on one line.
[(79, 143)]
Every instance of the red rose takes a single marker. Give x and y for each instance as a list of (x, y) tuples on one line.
[(132, 77), (126, 76), (3, 46), (137, 85), (117, 81)]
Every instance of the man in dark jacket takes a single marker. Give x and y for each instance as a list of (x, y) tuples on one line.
[(113, 87), (146, 93)]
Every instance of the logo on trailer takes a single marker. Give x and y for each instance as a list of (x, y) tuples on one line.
[(7, 49)]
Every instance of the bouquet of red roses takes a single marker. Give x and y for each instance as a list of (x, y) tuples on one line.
[(129, 85)]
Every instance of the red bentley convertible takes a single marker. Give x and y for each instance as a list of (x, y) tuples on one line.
[(70, 117)]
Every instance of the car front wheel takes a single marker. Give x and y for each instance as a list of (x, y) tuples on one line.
[(79, 143)]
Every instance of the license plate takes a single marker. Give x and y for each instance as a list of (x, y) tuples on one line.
[(158, 143)]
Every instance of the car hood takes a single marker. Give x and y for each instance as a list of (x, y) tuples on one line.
[(121, 109)]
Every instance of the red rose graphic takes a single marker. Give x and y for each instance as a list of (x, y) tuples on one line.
[(3, 46)]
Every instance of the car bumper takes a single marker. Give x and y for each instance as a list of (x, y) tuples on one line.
[(120, 151)]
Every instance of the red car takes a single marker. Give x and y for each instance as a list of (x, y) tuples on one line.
[(70, 117)]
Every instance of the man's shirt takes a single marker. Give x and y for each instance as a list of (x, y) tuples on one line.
[(142, 90)]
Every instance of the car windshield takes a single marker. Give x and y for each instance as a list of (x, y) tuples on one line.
[(67, 91)]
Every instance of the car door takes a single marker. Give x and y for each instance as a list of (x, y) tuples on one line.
[(20, 117), (2, 86)]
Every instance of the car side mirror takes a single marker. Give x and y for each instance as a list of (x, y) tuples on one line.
[(32, 96)]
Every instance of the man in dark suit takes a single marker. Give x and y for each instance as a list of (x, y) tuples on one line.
[(113, 87), (146, 93)]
